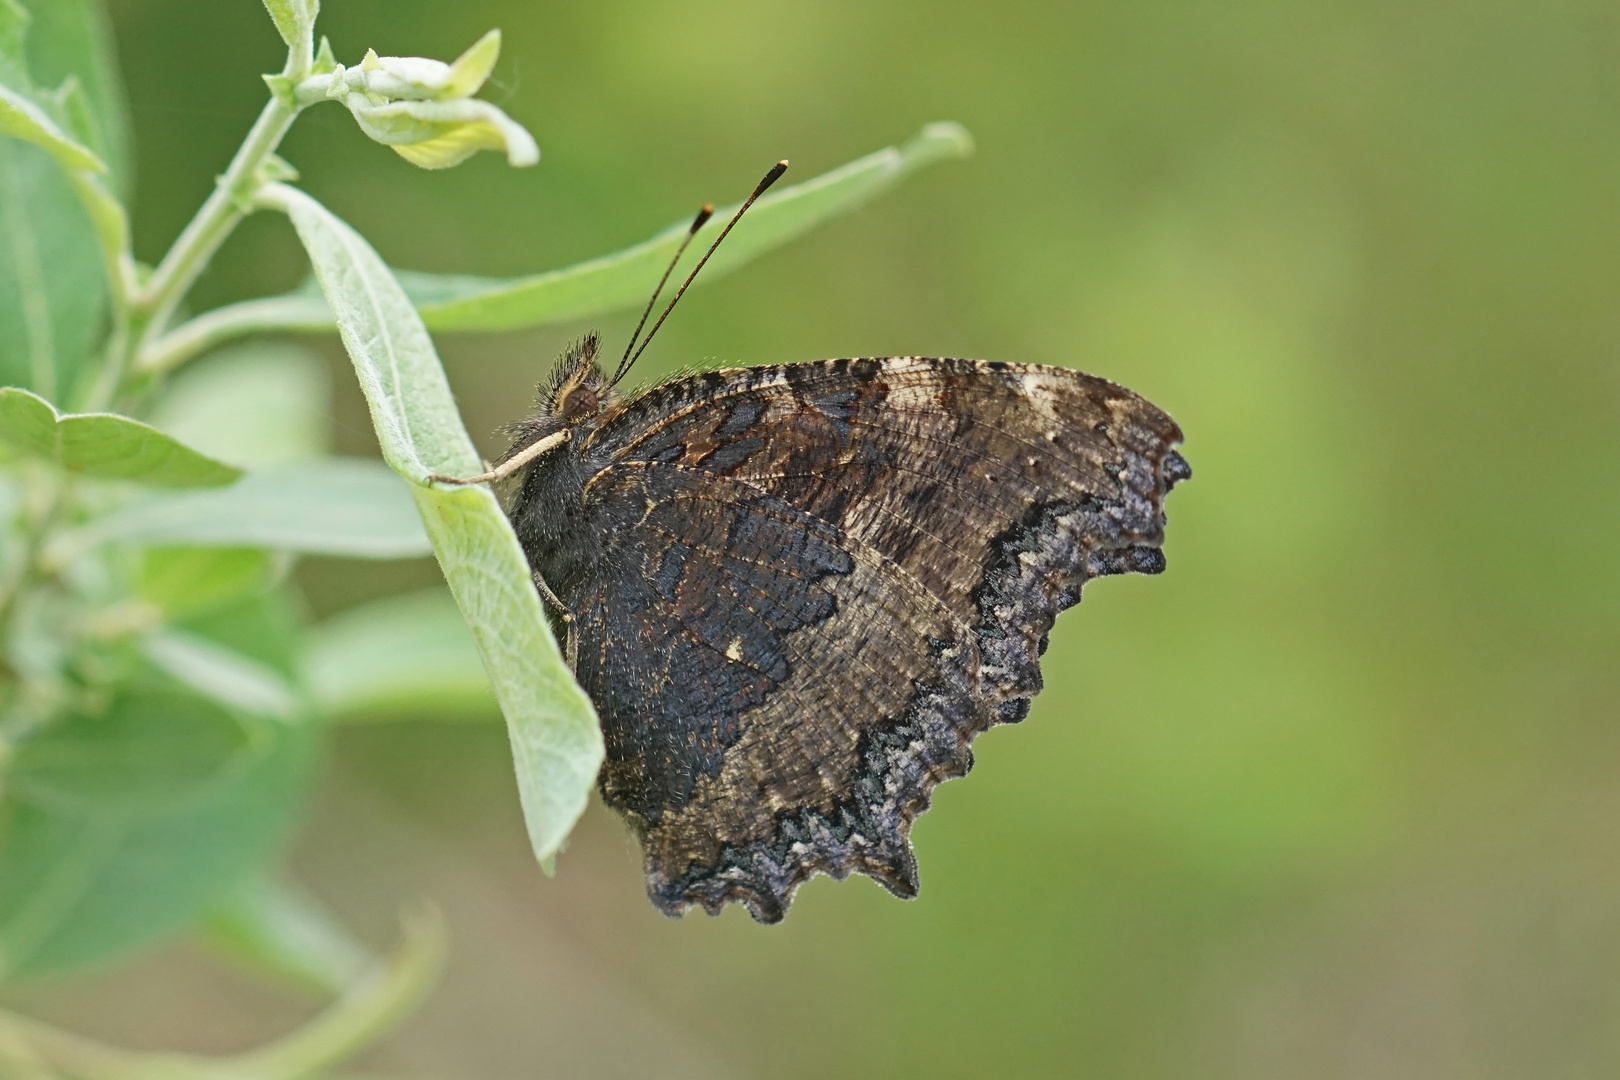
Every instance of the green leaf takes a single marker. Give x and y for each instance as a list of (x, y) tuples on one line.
[(335, 506), (105, 847), (13, 32), (154, 750), (72, 107), (620, 280), (282, 931), (402, 656), (259, 405), (104, 445), (556, 742), (188, 581), (73, 38), (624, 279), (412, 409), (294, 19), (53, 288), (222, 674), (54, 263), (22, 119)]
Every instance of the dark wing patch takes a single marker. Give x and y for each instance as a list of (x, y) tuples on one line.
[(847, 570)]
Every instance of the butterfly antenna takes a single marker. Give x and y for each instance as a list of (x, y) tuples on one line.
[(770, 178), (702, 219)]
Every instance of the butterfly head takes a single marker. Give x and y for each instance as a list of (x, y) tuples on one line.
[(578, 393)]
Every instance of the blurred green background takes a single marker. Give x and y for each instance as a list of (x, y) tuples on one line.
[(1337, 796)]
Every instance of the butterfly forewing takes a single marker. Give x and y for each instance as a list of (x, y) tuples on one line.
[(812, 585)]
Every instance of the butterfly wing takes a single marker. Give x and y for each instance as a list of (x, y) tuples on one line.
[(839, 573)]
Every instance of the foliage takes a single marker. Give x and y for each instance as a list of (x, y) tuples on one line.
[(161, 701)]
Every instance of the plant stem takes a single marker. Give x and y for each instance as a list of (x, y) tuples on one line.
[(202, 333), (57, 498), (151, 308), (371, 1005), (226, 206)]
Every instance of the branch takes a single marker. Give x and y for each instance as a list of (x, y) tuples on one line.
[(197, 336)]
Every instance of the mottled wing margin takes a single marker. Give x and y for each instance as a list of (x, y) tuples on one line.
[(750, 651), (990, 491)]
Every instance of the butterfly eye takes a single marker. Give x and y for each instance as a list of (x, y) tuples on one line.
[(581, 401)]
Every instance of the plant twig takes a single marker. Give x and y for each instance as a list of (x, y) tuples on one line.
[(151, 307), (196, 336), (373, 1004), (229, 202)]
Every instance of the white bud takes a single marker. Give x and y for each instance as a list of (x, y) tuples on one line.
[(424, 108)]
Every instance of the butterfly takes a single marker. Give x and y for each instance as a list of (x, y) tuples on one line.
[(796, 593)]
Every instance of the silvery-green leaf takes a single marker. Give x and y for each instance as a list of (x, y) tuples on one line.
[(73, 39), (556, 742), (22, 118), (418, 78), (260, 405), (281, 930), (53, 285), (221, 674), (334, 506), (13, 32), (470, 70), (294, 19), (403, 656), (104, 445), (623, 279), (111, 842), (182, 582)]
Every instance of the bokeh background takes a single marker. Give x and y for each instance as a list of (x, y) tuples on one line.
[(1337, 796)]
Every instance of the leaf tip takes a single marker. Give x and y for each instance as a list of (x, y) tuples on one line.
[(938, 141)]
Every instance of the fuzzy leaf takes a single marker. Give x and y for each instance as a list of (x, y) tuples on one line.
[(264, 404), (113, 841), (441, 134), (72, 39), (401, 656), (294, 19), (22, 119), (625, 278), (53, 286), (283, 931), (469, 71), (187, 581), (556, 742), (608, 283), (335, 506)]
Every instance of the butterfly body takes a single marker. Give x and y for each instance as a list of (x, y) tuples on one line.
[(799, 591)]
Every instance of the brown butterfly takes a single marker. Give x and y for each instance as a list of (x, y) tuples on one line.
[(796, 593)]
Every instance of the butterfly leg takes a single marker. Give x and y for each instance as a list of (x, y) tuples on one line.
[(570, 639), (510, 465)]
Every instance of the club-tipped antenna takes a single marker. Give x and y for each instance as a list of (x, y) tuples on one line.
[(698, 222), (770, 178)]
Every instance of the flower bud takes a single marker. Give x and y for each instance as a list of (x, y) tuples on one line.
[(424, 109)]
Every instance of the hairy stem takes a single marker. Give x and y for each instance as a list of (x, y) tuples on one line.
[(198, 335), (370, 1006), (149, 310), (226, 206)]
